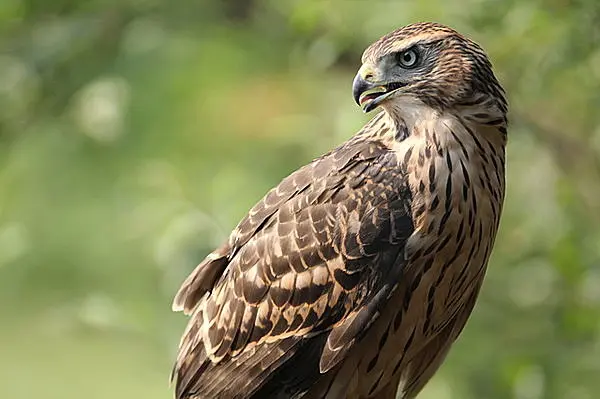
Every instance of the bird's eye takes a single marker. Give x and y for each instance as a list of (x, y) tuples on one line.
[(407, 58)]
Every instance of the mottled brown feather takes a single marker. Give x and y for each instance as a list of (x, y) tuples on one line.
[(322, 259)]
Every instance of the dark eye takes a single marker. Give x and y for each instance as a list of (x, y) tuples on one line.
[(407, 58)]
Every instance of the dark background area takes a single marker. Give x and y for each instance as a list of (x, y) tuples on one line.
[(134, 134)]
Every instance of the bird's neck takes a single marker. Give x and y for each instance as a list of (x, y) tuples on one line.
[(434, 147), (416, 120)]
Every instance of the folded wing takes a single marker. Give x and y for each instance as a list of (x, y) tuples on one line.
[(300, 279)]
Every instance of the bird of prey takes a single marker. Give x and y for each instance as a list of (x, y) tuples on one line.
[(355, 275)]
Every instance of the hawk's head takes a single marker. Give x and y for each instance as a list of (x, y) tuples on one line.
[(425, 62)]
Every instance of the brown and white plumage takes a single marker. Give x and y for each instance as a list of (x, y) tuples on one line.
[(353, 277)]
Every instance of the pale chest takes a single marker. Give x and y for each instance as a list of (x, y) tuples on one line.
[(457, 193)]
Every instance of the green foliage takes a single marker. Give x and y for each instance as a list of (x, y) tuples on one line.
[(134, 134)]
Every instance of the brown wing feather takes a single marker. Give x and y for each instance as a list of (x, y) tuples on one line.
[(318, 255)]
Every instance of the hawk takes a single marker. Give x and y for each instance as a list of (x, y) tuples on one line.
[(355, 275)]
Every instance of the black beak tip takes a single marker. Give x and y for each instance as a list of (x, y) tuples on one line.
[(359, 85)]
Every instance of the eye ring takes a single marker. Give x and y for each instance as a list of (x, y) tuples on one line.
[(407, 58)]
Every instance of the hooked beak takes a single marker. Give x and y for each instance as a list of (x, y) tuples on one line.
[(368, 94)]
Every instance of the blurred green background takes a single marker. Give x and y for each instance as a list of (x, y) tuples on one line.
[(134, 134)]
